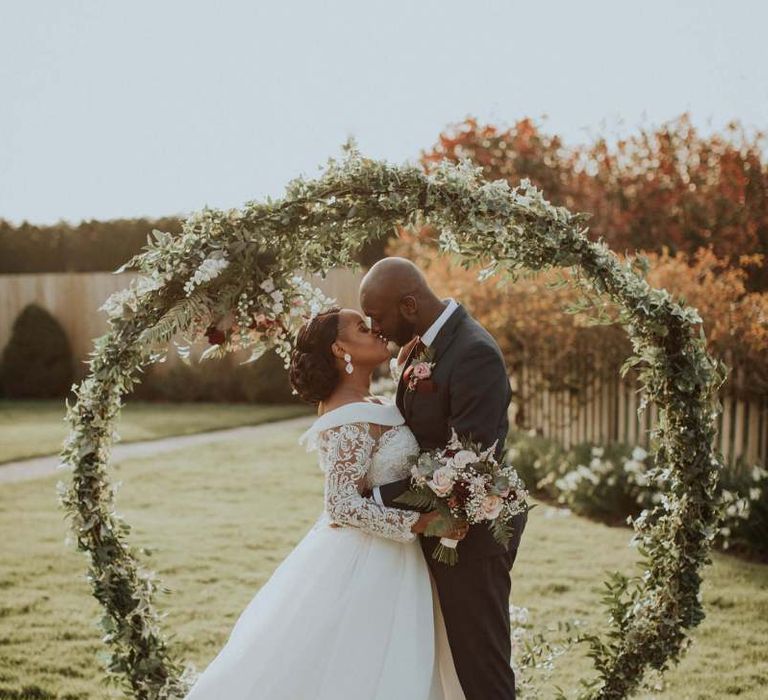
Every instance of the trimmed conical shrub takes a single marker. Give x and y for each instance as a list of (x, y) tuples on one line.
[(37, 362)]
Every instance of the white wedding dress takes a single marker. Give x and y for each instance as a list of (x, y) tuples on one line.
[(351, 613)]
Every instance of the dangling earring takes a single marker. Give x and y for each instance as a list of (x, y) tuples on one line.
[(348, 367)]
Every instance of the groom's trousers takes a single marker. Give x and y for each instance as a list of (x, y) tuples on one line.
[(474, 597)]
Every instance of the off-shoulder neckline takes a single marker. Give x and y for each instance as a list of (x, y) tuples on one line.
[(352, 403), (355, 412)]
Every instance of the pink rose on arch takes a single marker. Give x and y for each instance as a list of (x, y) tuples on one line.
[(421, 370), (491, 506), (442, 481)]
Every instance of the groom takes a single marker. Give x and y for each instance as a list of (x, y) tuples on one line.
[(469, 391)]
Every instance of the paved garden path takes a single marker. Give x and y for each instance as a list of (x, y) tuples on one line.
[(37, 467)]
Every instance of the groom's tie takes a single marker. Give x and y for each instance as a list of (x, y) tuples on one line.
[(415, 350)]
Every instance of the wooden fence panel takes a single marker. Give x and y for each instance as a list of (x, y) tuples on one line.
[(607, 412)]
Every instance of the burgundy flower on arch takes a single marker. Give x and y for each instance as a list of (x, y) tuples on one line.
[(215, 335)]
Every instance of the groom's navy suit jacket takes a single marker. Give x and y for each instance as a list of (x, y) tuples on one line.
[(471, 393)]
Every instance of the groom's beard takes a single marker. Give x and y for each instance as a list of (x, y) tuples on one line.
[(405, 333)]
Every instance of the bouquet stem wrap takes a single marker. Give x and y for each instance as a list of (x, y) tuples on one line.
[(445, 552)]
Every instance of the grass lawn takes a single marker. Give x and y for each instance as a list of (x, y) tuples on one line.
[(33, 428), (221, 518)]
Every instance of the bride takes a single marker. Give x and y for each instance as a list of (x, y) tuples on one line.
[(351, 613)]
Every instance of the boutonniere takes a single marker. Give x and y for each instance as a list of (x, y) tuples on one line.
[(417, 374)]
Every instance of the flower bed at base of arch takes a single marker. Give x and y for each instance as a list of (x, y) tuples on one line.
[(231, 277)]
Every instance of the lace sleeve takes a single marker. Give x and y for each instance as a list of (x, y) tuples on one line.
[(346, 453)]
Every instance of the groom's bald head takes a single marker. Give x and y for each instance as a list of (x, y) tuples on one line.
[(391, 276), (398, 299)]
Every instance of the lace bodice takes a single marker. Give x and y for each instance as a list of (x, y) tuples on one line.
[(355, 455), (390, 458)]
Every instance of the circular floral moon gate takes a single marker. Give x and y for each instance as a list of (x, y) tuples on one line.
[(230, 276)]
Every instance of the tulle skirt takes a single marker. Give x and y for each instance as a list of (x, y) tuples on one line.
[(346, 615)]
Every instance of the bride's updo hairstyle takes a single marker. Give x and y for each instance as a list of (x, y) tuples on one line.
[(313, 373)]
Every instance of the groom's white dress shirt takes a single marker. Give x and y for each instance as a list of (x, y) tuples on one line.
[(427, 339), (431, 332)]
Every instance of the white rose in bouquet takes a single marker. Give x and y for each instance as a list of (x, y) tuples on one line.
[(463, 457), (442, 481)]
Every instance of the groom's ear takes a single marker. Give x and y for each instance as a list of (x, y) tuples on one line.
[(409, 307)]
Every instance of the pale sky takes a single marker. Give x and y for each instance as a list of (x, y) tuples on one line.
[(123, 109)]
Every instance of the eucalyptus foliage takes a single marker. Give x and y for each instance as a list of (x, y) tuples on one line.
[(231, 272)]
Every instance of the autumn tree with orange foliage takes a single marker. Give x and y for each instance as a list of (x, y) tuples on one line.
[(695, 207), (668, 186), (735, 319)]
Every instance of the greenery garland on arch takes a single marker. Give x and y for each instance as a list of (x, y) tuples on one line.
[(230, 276)]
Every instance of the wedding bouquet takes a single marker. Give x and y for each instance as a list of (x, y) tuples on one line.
[(465, 484)]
